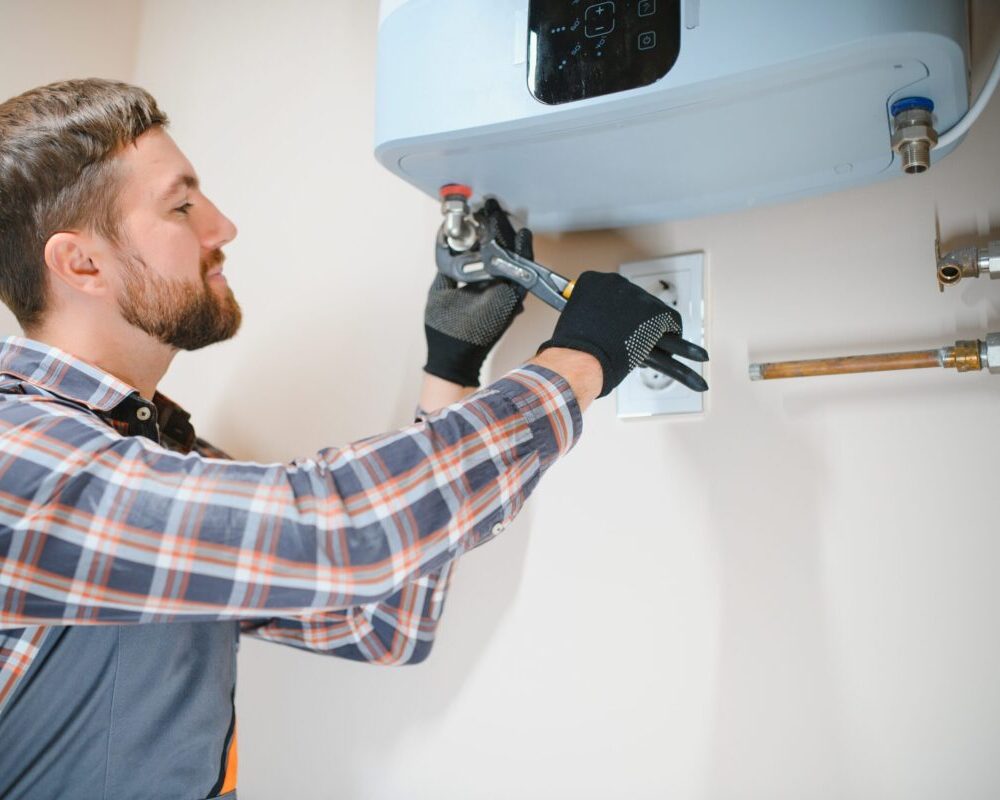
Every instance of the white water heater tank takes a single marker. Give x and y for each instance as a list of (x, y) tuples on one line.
[(602, 113)]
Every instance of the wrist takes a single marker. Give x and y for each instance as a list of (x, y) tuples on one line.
[(436, 393), (453, 359), (581, 370)]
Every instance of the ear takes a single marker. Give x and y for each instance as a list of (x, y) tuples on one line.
[(68, 257)]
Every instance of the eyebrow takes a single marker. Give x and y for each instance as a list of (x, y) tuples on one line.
[(190, 181)]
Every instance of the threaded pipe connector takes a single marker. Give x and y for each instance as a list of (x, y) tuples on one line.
[(916, 156), (913, 133), (459, 226)]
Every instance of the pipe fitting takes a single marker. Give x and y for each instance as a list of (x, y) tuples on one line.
[(990, 353), (913, 133), (989, 260), (459, 226), (968, 262), (957, 264), (965, 356)]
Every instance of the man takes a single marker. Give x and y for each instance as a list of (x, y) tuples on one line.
[(133, 553)]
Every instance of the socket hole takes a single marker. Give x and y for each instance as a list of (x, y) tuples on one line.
[(654, 380), (915, 169)]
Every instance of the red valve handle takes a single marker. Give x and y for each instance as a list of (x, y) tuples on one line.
[(451, 189)]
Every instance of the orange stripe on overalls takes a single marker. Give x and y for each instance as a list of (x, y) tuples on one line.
[(232, 762)]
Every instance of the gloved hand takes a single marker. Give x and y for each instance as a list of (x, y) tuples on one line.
[(463, 323), (622, 326)]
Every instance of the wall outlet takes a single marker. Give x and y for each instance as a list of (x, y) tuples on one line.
[(678, 281)]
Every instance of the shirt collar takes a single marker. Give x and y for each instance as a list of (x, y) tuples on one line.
[(62, 374)]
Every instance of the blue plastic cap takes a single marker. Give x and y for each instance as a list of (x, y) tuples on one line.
[(907, 103)]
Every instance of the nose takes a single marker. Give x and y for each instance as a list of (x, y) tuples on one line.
[(219, 230)]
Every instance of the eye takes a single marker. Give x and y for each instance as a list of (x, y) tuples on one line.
[(183, 209)]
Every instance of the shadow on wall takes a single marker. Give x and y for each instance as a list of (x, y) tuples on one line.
[(365, 704), (759, 693), (773, 626)]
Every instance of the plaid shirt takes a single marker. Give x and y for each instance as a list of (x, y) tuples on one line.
[(113, 511)]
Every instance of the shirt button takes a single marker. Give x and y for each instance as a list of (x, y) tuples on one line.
[(143, 413), (497, 528)]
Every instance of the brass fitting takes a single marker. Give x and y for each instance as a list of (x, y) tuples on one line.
[(968, 262), (964, 356)]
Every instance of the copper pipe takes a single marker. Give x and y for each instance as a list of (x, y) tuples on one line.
[(964, 356)]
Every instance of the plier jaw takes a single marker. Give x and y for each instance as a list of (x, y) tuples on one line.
[(485, 259)]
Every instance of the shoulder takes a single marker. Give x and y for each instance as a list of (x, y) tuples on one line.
[(33, 418)]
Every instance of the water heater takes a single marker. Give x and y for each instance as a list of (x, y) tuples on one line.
[(603, 113)]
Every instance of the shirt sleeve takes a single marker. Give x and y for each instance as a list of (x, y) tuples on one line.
[(398, 630), (96, 528)]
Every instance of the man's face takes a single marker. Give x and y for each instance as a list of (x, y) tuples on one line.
[(170, 257)]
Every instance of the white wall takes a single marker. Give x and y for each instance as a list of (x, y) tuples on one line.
[(793, 597), (58, 39)]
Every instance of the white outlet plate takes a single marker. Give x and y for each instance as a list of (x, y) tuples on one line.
[(645, 393)]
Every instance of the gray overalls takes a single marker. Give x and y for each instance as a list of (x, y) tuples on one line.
[(124, 712)]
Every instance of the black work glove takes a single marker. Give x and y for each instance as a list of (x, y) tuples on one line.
[(623, 326), (463, 323)]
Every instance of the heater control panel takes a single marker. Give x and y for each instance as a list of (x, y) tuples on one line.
[(587, 48)]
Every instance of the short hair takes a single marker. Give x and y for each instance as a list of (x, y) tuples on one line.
[(58, 172)]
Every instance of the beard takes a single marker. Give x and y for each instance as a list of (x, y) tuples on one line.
[(176, 312)]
